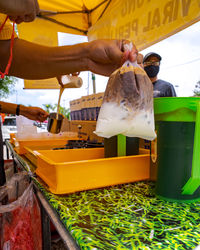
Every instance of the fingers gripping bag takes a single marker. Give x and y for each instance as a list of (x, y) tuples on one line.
[(127, 106)]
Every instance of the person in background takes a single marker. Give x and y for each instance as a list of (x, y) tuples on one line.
[(161, 88)]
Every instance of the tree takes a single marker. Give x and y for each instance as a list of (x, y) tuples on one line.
[(197, 89), (7, 86), (53, 108), (48, 107), (64, 111)]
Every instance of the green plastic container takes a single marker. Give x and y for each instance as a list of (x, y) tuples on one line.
[(178, 148)]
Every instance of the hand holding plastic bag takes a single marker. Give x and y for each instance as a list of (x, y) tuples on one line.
[(127, 107)]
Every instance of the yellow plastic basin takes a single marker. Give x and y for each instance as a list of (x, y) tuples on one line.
[(31, 152), (72, 170), (21, 144)]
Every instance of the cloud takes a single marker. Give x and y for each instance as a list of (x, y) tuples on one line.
[(188, 35)]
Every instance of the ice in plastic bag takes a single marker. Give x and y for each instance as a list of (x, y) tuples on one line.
[(127, 106)]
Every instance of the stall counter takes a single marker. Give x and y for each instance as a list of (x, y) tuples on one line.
[(127, 216)]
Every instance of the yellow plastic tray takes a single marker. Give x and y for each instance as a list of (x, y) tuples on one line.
[(72, 170), (21, 144), (31, 153)]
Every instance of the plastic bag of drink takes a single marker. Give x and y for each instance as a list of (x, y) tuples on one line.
[(20, 218), (127, 106)]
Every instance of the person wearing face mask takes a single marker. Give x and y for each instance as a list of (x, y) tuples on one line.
[(161, 88)]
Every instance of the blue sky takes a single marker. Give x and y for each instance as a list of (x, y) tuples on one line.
[(180, 65)]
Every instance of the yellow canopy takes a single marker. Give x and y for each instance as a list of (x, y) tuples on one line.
[(145, 22), (68, 16)]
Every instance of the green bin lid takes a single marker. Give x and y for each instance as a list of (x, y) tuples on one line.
[(176, 108)]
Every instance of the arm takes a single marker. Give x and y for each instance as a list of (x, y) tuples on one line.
[(32, 113), (33, 61)]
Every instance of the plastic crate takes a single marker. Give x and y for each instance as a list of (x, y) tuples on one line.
[(72, 170), (43, 140)]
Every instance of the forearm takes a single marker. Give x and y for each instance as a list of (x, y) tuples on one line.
[(10, 108), (32, 61)]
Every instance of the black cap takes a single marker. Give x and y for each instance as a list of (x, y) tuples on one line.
[(152, 54)]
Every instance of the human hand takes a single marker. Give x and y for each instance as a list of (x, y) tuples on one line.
[(140, 60), (33, 113), (105, 56), (60, 81), (59, 78), (20, 10)]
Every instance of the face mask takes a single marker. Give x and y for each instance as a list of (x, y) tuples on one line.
[(152, 70)]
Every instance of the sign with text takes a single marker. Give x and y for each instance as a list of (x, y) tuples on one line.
[(51, 83), (145, 22)]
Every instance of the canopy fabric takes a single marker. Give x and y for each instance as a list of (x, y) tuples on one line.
[(68, 16), (75, 15), (143, 21)]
